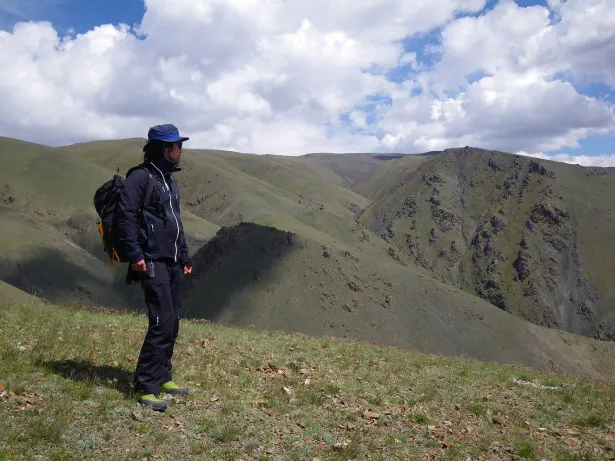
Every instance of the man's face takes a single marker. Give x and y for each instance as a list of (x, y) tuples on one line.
[(173, 152)]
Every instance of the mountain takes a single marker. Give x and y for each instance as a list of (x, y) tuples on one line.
[(49, 245), (530, 236), (297, 244)]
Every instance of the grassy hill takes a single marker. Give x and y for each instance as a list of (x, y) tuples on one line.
[(227, 188), (530, 236), (278, 243), (352, 168), (65, 394), (49, 245), (250, 275)]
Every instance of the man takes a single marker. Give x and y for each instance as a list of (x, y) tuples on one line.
[(153, 240)]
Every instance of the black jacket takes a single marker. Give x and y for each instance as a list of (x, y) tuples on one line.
[(160, 234)]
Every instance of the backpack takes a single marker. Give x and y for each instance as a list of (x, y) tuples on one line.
[(106, 200)]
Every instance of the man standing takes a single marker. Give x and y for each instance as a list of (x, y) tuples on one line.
[(152, 237)]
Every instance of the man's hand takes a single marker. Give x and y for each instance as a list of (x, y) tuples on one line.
[(140, 266), (187, 270)]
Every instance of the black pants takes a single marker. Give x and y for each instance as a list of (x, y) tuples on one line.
[(162, 287)]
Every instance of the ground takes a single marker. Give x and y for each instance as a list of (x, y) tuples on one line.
[(65, 393)]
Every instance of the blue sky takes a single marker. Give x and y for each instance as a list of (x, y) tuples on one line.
[(80, 16)]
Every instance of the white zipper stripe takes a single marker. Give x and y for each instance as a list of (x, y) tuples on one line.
[(170, 203)]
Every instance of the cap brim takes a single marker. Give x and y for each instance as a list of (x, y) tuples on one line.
[(180, 139)]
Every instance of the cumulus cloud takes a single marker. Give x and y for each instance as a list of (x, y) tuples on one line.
[(604, 160), (500, 83), (290, 77)]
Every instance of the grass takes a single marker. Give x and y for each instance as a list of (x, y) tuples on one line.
[(478, 410), (592, 421), (268, 395)]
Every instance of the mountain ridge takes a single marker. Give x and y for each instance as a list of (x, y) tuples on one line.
[(336, 277)]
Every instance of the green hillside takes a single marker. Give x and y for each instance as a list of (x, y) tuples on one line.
[(382, 181), (65, 393), (294, 254), (530, 236), (352, 168), (49, 245), (227, 188)]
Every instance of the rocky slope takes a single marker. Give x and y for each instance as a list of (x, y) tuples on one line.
[(524, 234)]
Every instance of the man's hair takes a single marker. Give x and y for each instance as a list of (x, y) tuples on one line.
[(154, 150)]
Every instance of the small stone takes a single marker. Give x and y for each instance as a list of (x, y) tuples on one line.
[(431, 428), (370, 415), (572, 442), (137, 416), (497, 420)]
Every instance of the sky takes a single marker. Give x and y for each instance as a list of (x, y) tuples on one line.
[(291, 77)]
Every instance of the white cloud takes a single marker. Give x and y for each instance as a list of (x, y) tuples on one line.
[(278, 76), (506, 39), (506, 111), (605, 160), (584, 40), (504, 70)]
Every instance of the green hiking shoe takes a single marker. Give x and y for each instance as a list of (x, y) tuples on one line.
[(150, 400), (171, 388)]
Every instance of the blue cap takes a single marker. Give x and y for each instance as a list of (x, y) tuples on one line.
[(166, 133)]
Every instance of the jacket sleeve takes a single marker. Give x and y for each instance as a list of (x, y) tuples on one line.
[(184, 256), (128, 215)]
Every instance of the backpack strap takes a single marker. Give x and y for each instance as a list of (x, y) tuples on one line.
[(150, 184), (148, 192)]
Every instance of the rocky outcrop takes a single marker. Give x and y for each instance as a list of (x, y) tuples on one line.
[(498, 226)]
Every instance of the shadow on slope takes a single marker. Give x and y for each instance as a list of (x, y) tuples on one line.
[(236, 258), (54, 277), (260, 277), (116, 378)]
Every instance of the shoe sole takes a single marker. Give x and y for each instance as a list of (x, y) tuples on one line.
[(176, 393), (155, 405)]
